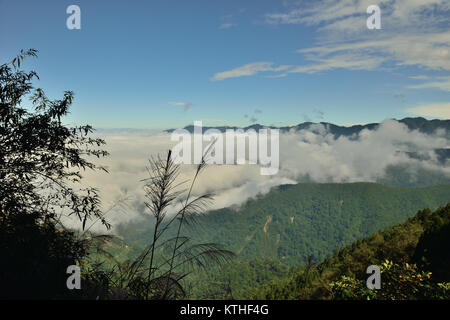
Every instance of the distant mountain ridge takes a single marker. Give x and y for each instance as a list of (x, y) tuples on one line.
[(419, 123)]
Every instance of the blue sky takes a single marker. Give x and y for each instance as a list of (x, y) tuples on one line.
[(137, 64)]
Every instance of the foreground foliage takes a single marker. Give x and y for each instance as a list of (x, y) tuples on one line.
[(402, 281), (41, 165)]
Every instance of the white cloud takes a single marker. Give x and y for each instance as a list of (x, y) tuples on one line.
[(248, 70), (174, 103), (420, 77), (319, 12), (440, 83), (431, 51), (280, 75), (414, 33), (351, 61), (398, 13), (227, 25), (439, 110), (186, 105)]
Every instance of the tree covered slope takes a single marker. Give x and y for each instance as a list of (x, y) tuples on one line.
[(423, 240), (293, 222)]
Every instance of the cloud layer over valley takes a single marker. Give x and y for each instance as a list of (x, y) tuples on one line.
[(305, 155)]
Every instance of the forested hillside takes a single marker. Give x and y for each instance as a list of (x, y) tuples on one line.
[(293, 222), (413, 256), (239, 279)]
